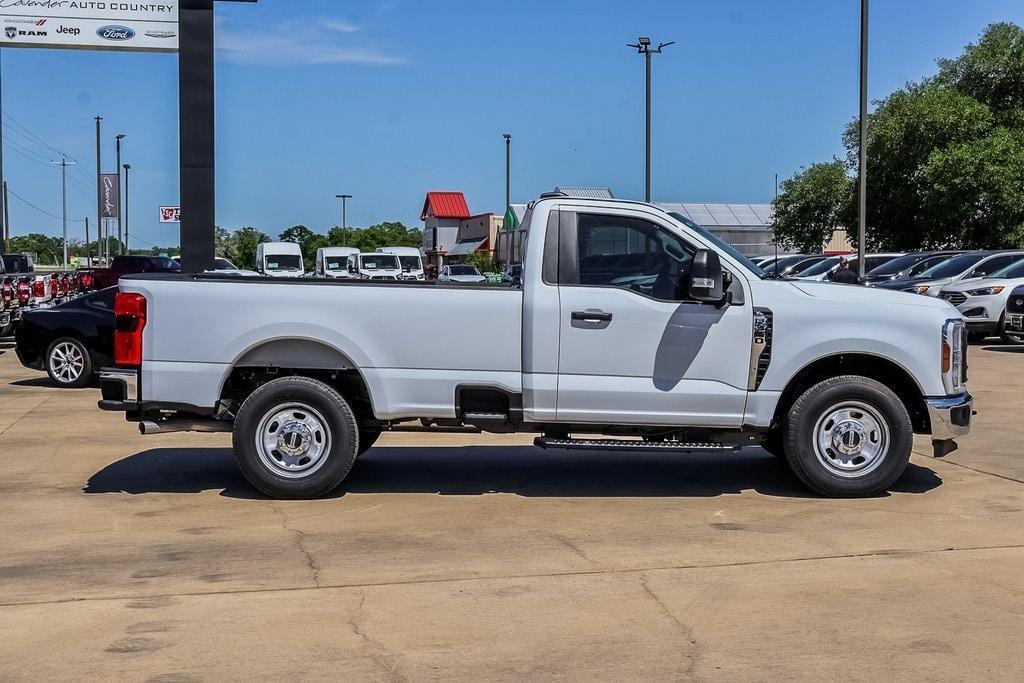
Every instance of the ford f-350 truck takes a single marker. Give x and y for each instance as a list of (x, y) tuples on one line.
[(632, 329)]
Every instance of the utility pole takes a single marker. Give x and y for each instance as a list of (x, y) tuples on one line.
[(127, 167), (99, 188), (120, 213), (88, 249), (508, 170), (643, 47), (862, 199), (775, 237), (64, 163), (344, 219)]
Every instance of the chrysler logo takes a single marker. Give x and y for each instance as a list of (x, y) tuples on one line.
[(115, 32)]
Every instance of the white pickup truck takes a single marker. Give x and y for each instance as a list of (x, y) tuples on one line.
[(631, 325)]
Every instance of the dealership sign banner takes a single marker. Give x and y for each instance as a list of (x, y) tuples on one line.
[(90, 24), (110, 195)]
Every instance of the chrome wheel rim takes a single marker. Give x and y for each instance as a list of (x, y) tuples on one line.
[(851, 439), (67, 362), (293, 440)]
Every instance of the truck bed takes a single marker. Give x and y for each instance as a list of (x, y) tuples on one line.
[(419, 340)]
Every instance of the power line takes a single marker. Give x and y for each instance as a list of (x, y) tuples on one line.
[(43, 211), (35, 137)]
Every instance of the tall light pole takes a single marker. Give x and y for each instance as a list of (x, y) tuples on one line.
[(127, 167), (99, 188), (508, 169), (862, 199), (3, 183), (120, 213), (344, 219), (64, 163), (643, 47)]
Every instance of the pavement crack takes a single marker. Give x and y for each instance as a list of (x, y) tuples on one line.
[(685, 631), (29, 412), (575, 549), (300, 544), (377, 651)]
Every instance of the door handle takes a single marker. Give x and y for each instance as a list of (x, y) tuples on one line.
[(592, 316)]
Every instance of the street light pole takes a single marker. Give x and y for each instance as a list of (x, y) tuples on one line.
[(120, 243), (127, 167), (643, 47), (862, 199), (99, 187), (64, 163), (508, 170), (344, 219)]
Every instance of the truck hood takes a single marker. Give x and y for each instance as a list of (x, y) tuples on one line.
[(869, 295)]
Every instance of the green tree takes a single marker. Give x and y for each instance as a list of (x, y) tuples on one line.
[(387, 234), (810, 204), (46, 250), (483, 261), (242, 251), (945, 165)]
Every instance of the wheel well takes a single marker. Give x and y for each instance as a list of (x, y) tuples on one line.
[(874, 367), (291, 358)]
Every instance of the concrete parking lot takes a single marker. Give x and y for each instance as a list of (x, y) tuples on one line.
[(453, 556)]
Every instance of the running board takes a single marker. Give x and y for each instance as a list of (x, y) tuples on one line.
[(624, 445)]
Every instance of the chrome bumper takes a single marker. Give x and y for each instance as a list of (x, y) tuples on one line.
[(119, 389), (950, 416)]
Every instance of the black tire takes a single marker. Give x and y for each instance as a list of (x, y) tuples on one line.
[(330, 414), (815, 404), (64, 358), (367, 437)]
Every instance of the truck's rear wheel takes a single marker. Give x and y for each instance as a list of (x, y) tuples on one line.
[(848, 436), (295, 437)]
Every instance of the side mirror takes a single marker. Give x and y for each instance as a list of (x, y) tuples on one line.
[(707, 281)]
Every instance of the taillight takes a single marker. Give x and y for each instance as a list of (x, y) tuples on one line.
[(55, 286), (129, 321), (24, 292), (86, 280), (39, 289), (7, 293)]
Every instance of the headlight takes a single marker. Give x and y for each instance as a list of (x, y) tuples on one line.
[(917, 290), (985, 291), (954, 339)]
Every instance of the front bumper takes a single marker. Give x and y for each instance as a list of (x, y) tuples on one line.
[(1013, 327), (5, 319), (950, 416)]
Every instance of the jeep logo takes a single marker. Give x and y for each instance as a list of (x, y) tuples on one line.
[(69, 30), (115, 32)]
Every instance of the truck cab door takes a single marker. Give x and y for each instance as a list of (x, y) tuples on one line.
[(634, 348)]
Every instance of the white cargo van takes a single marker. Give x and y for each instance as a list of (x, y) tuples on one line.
[(333, 262), (374, 266), (279, 259), (410, 260)]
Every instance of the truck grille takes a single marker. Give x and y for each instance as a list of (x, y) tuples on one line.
[(955, 298)]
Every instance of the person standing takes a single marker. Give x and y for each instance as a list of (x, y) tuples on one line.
[(845, 274)]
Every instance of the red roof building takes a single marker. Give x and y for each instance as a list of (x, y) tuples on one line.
[(445, 205)]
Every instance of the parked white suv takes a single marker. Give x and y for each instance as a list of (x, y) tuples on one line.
[(982, 301)]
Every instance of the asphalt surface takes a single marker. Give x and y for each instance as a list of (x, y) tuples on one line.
[(479, 557)]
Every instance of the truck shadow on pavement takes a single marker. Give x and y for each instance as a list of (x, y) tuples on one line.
[(477, 470)]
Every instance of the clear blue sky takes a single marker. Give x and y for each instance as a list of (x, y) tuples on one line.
[(386, 99)]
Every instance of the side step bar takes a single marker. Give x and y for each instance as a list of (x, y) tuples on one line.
[(632, 445)]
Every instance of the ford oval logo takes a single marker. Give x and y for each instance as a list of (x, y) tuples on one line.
[(115, 32)]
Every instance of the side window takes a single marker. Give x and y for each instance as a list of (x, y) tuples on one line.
[(633, 254), (992, 265)]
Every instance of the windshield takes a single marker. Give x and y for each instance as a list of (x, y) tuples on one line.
[(718, 242), (782, 263), (954, 266), (378, 262), (222, 264), (1015, 269), (805, 265), (410, 262), (464, 270), (336, 263), (158, 263), (283, 262), (822, 267), (897, 265)]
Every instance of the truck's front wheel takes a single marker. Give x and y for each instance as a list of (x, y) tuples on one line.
[(848, 436), (295, 437)]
